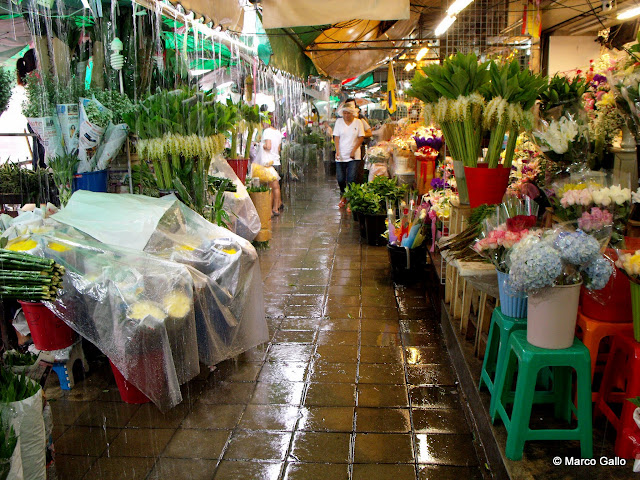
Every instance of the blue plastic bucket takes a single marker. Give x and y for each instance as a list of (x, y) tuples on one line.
[(513, 304), (92, 181)]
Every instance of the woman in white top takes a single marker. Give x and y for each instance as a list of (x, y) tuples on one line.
[(270, 157), (348, 135)]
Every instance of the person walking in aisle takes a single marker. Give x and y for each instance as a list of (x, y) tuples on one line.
[(348, 135), (270, 157)]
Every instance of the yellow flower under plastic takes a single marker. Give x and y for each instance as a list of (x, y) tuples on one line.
[(22, 246)]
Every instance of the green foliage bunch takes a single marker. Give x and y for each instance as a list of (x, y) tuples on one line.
[(371, 198), (6, 85), (15, 388), (561, 90), (63, 168)]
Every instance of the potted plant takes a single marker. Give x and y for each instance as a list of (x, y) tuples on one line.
[(629, 263), (248, 120), (551, 268), (261, 198)]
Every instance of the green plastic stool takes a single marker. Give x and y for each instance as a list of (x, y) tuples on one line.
[(495, 354), (529, 360)]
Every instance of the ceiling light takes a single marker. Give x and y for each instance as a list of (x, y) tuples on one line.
[(629, 13), (422, 53), (457, 6), (410, 66), (444, 25)]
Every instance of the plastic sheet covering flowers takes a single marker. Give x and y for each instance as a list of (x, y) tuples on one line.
[(511, 222), (126, 256), (558, 257), (136, 308)]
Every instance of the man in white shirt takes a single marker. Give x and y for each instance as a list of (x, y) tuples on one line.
[(348, 135)]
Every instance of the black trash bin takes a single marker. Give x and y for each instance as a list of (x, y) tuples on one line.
[(407, 264)]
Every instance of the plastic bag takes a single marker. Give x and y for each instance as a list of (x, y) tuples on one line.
[(48, 131), (27, 421), (68, 116), (238, 204), (265, 174), (378, 170)]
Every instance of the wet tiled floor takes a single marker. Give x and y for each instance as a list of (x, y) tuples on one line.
[(355, 382)]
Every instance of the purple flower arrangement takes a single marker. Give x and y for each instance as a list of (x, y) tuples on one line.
[(439, 184)]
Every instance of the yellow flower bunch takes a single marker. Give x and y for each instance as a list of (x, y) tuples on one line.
[(630, 263)]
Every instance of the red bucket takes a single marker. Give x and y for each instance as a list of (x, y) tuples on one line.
[(48, 332), (613, 302), (128, 392), (486, 185), (240, 167)]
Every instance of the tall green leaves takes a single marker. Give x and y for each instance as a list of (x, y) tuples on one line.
[(514, 84), (458, 76), (562, 90)]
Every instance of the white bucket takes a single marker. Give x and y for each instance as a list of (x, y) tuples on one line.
[(551, 316)]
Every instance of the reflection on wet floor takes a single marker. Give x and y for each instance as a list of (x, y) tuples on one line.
[(355, 382)]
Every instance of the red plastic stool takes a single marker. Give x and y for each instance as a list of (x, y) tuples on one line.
[(592, 332), (623, 364)]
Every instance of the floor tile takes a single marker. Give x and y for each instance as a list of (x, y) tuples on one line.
[(286, 371), (304, 323), (433, 374), (239, 470), (269, 417), (193, 469), (346, 300), (435, 397), (380, 339), (65, 412), (118, 468), (294, 336), (90, 441), (207, 416), (333, 372), (440, 472), (228, 393), (107, 414), (376, 471), (380, 325), (290, 352), (148, 416), (370, 395), (232, 371), (381, 373), (383, 420), (316, 471), (191, 443), (425, 355), (245, 445), (73, 467), (445, 449), (421, 339), (429, 420), (336, 419), (330, 395), (278, 393), (140, 442), (383, 448), (337, 353), (338, 337), (380, 354), (331, 324), (320, 447)]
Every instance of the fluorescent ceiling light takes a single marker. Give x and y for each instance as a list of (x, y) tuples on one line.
[(629, 13), (422, 53), (457, 6), (444, 25)]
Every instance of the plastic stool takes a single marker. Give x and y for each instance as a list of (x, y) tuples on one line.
[(64, 361), (530, 360), (592, 332), (624, 362), (496, 352)]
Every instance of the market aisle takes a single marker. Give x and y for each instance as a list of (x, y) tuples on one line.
[(355, 382)]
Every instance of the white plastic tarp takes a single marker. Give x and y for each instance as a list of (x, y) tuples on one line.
[(298, 13)]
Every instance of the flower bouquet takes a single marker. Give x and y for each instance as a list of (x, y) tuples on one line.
[(551, 268), (512, 221), (563, 131)]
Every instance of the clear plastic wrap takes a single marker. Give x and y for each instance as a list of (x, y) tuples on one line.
[(225, 268), (238, 204), (138, 309)]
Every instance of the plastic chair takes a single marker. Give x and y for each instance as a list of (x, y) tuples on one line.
[(494, 363), (623, 364), (530, 360), (592, 332), (63, 365)]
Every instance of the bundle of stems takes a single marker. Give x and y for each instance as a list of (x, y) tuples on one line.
[(26, 277), (460, 244)]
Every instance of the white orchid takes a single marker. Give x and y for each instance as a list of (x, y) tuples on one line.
[(559, 134)]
